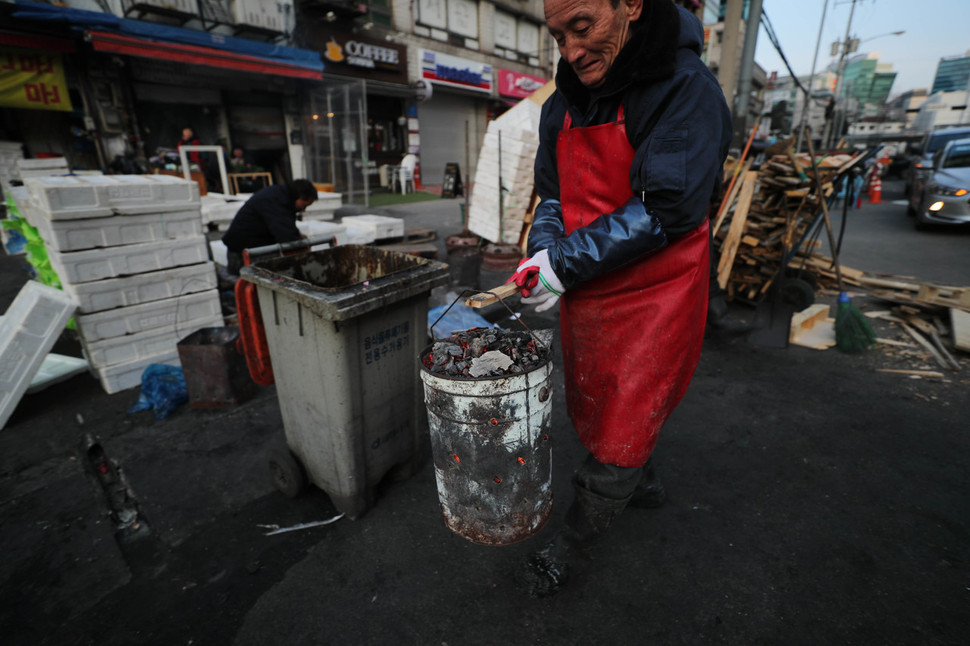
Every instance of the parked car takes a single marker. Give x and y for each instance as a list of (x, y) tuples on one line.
[(923, 157), (944, 197)]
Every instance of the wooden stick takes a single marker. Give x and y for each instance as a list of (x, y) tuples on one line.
[(737, 169), (825, 214), (927, 345), (726, 206), (918, 373), (484, 299), (730, 247)]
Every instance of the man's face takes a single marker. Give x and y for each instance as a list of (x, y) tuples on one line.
[(302, 203), (591, 33)]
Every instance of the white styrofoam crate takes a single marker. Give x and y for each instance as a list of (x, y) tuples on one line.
[(356, 233), (55, 369), (123, 376), (314, 228), (27, 332), (221, 212), (151, 193), (64, 197), (324, 207), (383, 226), (56, 164), (110, 293), (74, 196), (111, 262), (219, 252), (318, 228), (143, 345), (116, 230), (177, 313)]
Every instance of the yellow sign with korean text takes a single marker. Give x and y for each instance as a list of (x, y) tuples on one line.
[(32, 79)]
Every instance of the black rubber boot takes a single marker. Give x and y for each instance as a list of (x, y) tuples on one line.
[(650, 492), (719, 322), (547, 569)]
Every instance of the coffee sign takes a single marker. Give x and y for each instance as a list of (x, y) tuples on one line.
[(345, 53)]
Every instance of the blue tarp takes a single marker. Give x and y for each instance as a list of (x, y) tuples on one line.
[(164, 33)]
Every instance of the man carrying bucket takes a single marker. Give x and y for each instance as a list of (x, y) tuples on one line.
[(632, 145)]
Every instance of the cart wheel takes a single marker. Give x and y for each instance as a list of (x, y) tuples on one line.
[(803, 274), (287, 472), (797, 293)]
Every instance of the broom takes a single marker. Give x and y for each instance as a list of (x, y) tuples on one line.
[(852, 330)]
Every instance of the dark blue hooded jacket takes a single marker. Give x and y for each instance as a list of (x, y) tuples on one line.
[(679, 126)]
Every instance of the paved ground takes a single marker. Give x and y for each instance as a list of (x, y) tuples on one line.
[(812, 500)]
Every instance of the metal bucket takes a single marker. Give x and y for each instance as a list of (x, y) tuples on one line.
[(492, 453), (216, 375)]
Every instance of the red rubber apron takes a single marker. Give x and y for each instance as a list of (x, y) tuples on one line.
[(631, 338)]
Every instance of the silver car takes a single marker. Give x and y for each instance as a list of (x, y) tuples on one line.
[(922, 161), (944, 196)]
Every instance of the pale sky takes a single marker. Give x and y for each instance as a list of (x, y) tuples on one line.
[(934, 29)]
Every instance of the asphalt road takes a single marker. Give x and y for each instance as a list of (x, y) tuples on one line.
[(882, 238), (812, 500)]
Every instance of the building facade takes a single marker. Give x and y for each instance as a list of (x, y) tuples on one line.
[(331, 90), (952, 74)]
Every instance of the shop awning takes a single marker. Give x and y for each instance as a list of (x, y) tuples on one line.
[(35, 42), (108, 33)]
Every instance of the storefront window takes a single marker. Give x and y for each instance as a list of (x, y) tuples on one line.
[(379, 12), (337, 136)]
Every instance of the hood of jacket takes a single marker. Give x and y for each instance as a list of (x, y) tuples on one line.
[(650, 55)]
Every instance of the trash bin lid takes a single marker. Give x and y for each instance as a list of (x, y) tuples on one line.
[(347, 281)]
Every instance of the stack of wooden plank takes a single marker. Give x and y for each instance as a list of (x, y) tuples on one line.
[(765, 216), (935, 317)]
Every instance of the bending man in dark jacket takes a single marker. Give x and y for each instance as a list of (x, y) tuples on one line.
[(631, 149), (268, 217)]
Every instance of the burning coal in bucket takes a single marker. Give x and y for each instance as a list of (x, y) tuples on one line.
[(489, 402)]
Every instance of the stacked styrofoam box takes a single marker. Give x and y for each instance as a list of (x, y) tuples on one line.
[(383, 226), (40, 167), (10, 153), (356, 232), (130, 250), (497, 211), (28, 330), (219, 211), (324, 208), (317, 229)]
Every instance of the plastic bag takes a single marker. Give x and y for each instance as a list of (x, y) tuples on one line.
[(162, 389), (460, 317)]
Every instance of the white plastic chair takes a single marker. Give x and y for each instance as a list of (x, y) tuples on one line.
[(406, 172)]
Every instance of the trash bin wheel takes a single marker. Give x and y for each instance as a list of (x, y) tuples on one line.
[(797, 293), (806, 275), (287, 472)]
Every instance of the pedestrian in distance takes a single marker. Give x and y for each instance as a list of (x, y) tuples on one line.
[(632, 145), (190, 139), (268, 217)]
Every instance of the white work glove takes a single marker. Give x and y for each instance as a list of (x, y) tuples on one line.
[(540, 285)]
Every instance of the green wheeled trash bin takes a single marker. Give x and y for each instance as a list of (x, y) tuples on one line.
[(343, 326)]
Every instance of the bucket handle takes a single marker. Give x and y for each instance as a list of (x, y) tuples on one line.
[(515, 315)]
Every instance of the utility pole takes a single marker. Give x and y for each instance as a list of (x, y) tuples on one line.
[(727, 73), (840, 112), (811, 80), (743, 97)]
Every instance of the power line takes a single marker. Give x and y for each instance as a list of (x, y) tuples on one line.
[(770, 30)]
